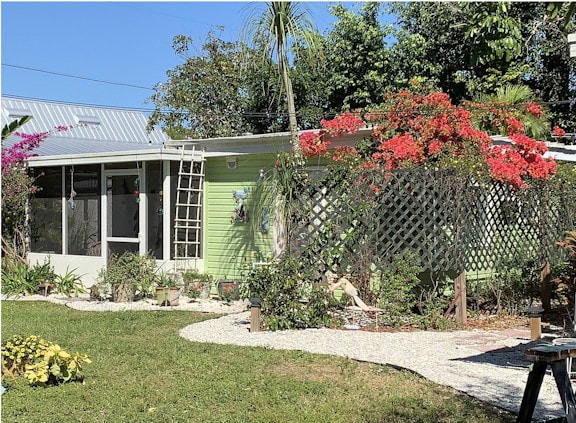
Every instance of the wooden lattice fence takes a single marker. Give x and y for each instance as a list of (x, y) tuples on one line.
[(360, 222)]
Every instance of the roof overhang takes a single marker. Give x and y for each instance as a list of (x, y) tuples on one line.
[(260, 143), (97, 158)]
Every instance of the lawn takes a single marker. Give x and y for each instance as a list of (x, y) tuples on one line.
[(142, 371)]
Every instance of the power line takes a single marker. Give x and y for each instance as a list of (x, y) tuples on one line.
[(77, 77), (249, 114)]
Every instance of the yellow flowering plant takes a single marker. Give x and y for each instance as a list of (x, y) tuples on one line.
[(40, 362)]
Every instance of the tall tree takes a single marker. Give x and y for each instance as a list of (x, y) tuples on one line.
[(277, 29), (359, 60), (204, 97), (477, 48)]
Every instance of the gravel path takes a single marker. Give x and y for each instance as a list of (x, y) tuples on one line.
[(487, 365)]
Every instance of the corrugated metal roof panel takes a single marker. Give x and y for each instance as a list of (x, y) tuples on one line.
[(109, 130)]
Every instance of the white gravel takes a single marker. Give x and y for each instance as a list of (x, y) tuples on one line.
[(487, 365)]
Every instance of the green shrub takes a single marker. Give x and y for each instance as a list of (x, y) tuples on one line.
[(40, 362), (397, 288), (515, 281), (127, 277), (69, 284), (291, 298), (22, 279)]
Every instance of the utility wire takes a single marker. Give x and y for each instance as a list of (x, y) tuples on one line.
[(77, 77), (248, 114)]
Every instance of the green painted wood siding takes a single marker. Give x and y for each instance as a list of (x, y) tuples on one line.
[(228, 243)]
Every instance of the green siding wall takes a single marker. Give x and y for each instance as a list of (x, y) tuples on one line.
[(227, 244)]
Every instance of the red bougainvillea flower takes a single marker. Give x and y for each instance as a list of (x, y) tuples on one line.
[(514, 126), (511, 162), (534, 109), (312, 144), (347, 122), (558, 132), (398, 150)]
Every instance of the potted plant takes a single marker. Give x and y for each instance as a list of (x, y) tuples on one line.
[(167, 290), (228, 290), (197, 284), (127, 277)]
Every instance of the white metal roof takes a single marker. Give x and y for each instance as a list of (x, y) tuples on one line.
[(94, 129)]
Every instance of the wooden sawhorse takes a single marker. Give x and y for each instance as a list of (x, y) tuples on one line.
[(543, 356)]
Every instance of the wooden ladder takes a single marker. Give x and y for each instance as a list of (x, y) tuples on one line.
[(189, 199)]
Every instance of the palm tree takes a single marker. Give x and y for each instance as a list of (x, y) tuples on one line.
[(516, 95), (275, 31)]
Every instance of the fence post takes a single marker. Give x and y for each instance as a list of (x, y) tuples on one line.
[(460, 294)]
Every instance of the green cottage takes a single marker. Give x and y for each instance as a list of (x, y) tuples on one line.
[(107, 185)]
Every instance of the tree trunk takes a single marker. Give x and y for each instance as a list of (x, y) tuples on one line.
[(293, 123)]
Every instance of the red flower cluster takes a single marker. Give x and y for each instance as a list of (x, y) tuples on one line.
[(534, 109), (514, 126), (312, 144), (401, 149), (412, 129), (511, 162), (558, 132), (316, 143), (347, 122)]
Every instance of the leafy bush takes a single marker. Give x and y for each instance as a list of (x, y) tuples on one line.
[(127, 277), (515, 280), (291, 298), (197, 284), (397, 288), (40, 362), (22, 279)]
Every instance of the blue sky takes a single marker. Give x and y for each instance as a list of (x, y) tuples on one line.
[(120, 42)]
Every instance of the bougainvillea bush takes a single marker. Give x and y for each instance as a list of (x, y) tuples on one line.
[(18, 185), (415, 130)]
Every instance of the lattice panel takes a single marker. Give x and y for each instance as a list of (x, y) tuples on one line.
[(451, 223)]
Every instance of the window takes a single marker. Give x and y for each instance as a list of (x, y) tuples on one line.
[(46, 211), (82, 195), (155, 209)]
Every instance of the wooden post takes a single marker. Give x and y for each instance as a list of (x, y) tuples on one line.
[(255, 319), (546, 286), (255, 306), (460, 293), (535, 315), (535, 328)]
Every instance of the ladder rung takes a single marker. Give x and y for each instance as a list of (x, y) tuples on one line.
[(188, 205), (190, 189), (190, 174)]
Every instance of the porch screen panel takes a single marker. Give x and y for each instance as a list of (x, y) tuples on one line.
[(83, 209), (155, 209), (46, 211)]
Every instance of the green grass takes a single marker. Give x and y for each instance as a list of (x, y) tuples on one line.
[(142, 371)]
